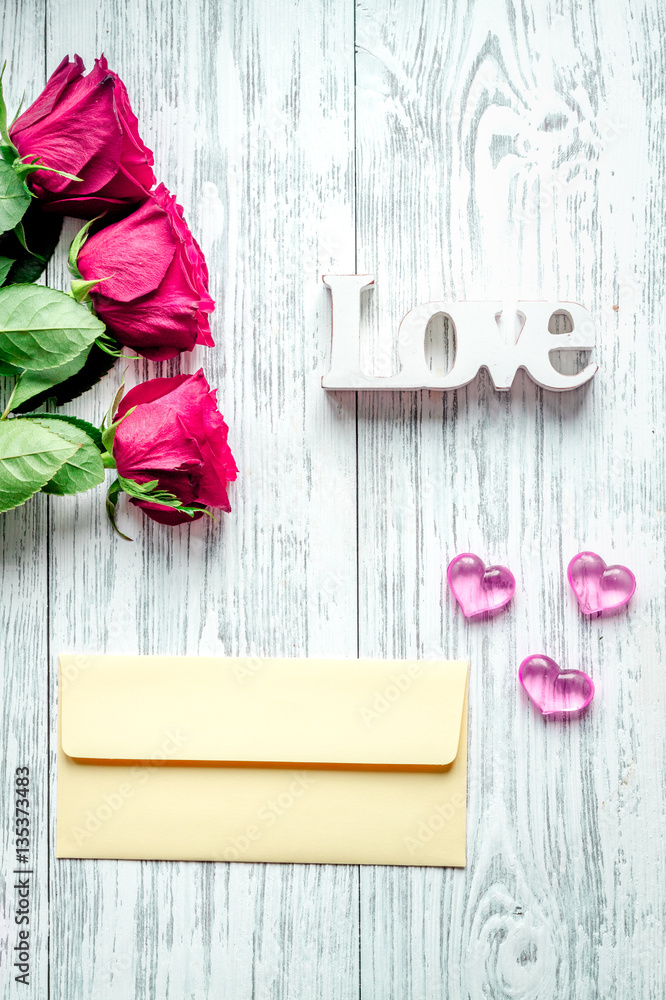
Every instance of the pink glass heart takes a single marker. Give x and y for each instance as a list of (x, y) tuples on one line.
[(599, 587), (555, 691), (479, 590)]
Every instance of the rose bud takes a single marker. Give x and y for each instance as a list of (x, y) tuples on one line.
[(177, 436), (154, 296), (84, 125)]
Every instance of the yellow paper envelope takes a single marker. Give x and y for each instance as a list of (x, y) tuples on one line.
[(291, 760)]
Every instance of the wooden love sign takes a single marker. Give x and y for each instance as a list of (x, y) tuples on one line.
[(478, 342)]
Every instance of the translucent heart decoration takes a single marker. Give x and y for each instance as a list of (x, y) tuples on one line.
[(555, 691), (479, 589), (598, 587)]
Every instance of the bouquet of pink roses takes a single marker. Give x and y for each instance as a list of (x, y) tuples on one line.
[(139, 280)]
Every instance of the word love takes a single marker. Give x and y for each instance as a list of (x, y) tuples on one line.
[(479, 341)]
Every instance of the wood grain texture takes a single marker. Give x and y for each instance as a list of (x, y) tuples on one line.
[(492, 151), (249, 110), (23, 619), (506, 151)]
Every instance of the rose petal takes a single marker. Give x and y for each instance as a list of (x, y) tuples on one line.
[(177, 436), (87, 207), (134, 253), (136, 159), (82, 135), (146, 392), (61, 78), (153, 434), (84, 125), (164, 319)]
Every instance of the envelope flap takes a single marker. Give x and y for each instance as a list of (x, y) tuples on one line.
[(402, 713)]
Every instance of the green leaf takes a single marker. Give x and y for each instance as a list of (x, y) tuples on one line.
[(84, 469), (4, 134), (5, 267), (117, 399), (93, 432), (30, 456), (151, 491), (77, 243), (17, 112), (19, 233), (110, 345), (109, 428), (6, 369), (111, 505), (3, 108), (42, 232), (33, 384), (42, 328), (14, 197), (29, 164), (81, 288), (109, 433), (96, 366)]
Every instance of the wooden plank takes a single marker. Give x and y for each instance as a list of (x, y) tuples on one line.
[(24, 700), (249, 110), (507, 151)]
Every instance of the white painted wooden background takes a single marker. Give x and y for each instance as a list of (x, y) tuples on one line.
[(457, 149)]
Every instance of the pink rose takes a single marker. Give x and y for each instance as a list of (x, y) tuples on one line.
[(155, 297), (85, 126), (178, 436)]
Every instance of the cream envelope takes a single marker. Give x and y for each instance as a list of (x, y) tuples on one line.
[(293, 760)]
